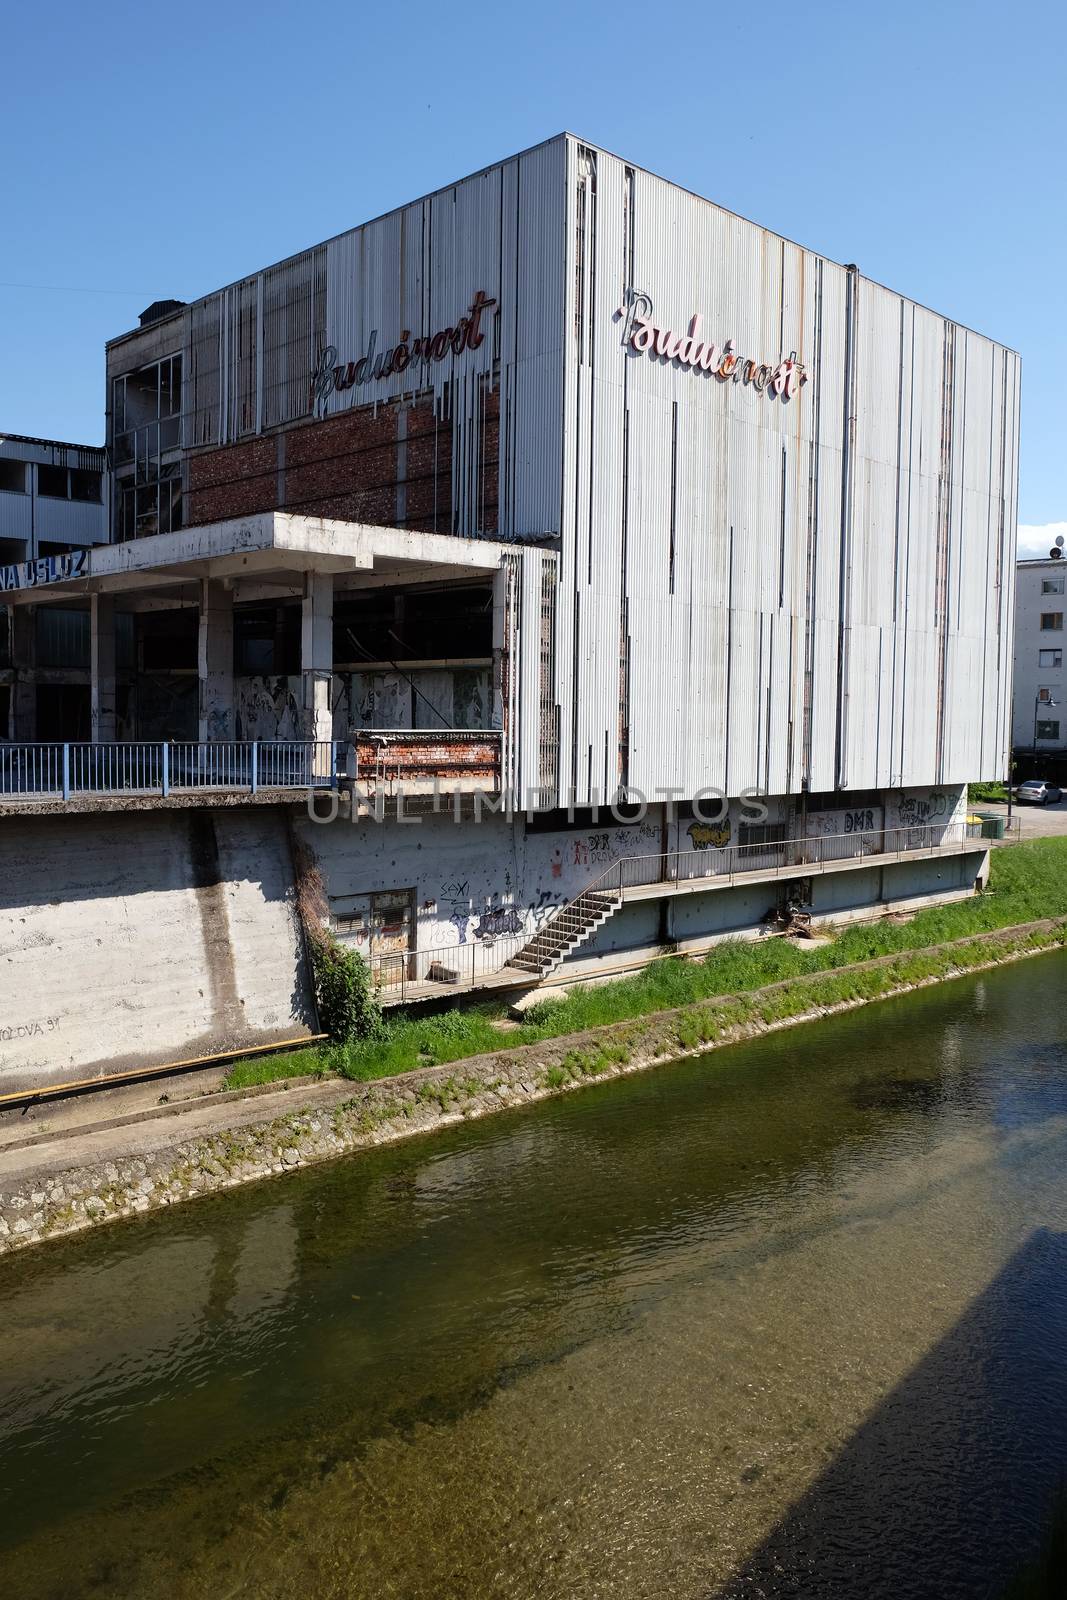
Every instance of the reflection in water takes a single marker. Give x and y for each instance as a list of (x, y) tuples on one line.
[(787, 1320)]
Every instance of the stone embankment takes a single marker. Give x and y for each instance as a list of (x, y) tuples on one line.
[(52, 1187)]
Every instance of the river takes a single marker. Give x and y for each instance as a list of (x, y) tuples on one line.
[(788, 1319)]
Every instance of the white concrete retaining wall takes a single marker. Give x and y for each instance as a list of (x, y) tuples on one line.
[(136, 938)]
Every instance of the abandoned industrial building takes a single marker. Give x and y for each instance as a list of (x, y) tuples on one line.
[(560, 484)]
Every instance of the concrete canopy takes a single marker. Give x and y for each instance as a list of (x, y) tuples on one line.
[(263, 557)]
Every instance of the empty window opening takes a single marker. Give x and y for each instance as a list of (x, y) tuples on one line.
[(52, 481), (266, 640)]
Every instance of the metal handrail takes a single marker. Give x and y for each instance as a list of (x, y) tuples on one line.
[(789, 857), (398, 972), (460, 966), (806, 851), (151, 767)]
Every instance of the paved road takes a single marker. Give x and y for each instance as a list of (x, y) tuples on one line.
[(1036, 822)]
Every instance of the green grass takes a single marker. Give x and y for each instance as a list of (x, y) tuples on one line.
[(1028, 882), (269, 1069)]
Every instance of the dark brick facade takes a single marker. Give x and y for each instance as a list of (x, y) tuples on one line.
[(392, 467)]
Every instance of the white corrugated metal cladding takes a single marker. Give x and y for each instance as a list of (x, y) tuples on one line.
[(774, 590), (759, 584), (253, 347)]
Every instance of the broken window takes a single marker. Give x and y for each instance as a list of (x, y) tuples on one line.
[(13, 476), (145, 423)]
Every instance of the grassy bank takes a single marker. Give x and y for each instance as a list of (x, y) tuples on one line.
[(1028, 882)]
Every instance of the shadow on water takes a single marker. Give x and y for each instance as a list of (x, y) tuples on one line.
[(945, 1491)]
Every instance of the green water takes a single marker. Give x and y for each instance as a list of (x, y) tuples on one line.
[(787, 1320)]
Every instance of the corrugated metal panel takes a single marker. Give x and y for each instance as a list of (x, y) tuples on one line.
[(814, 588), (252, 350)]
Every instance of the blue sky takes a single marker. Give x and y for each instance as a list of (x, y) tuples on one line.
[(157, 151)]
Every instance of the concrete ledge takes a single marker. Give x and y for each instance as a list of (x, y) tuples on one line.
[(795, 870), (94, 804), (62, 1186)]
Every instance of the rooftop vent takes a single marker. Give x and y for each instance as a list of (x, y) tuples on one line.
[(158, 310)]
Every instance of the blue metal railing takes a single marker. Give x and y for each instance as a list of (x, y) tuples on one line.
[(162, 768)]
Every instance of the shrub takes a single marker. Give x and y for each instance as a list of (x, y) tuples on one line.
[(348, 1006)]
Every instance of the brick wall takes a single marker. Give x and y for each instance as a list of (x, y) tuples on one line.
[(387, 467), (233, 482)]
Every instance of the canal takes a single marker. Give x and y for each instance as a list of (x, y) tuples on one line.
[(790, 1319)]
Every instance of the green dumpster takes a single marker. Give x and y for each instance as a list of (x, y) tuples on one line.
[(993, 827)]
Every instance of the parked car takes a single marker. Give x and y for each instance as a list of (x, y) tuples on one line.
[(1036, 792)]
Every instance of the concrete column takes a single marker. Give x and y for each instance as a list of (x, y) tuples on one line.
[(215, 661), (102, 668), (23, 714), (316, 655)]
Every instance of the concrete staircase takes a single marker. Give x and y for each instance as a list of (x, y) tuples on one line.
[(570, 927)]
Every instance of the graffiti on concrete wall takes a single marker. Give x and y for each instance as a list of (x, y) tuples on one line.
[(861, 819), (919, 811), (455, 901), (421, 697), (562, 865), (709, 835), (268, 707), (497, 922)]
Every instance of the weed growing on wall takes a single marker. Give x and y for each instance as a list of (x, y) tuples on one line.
[(348, 1006), (347, 1003)]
